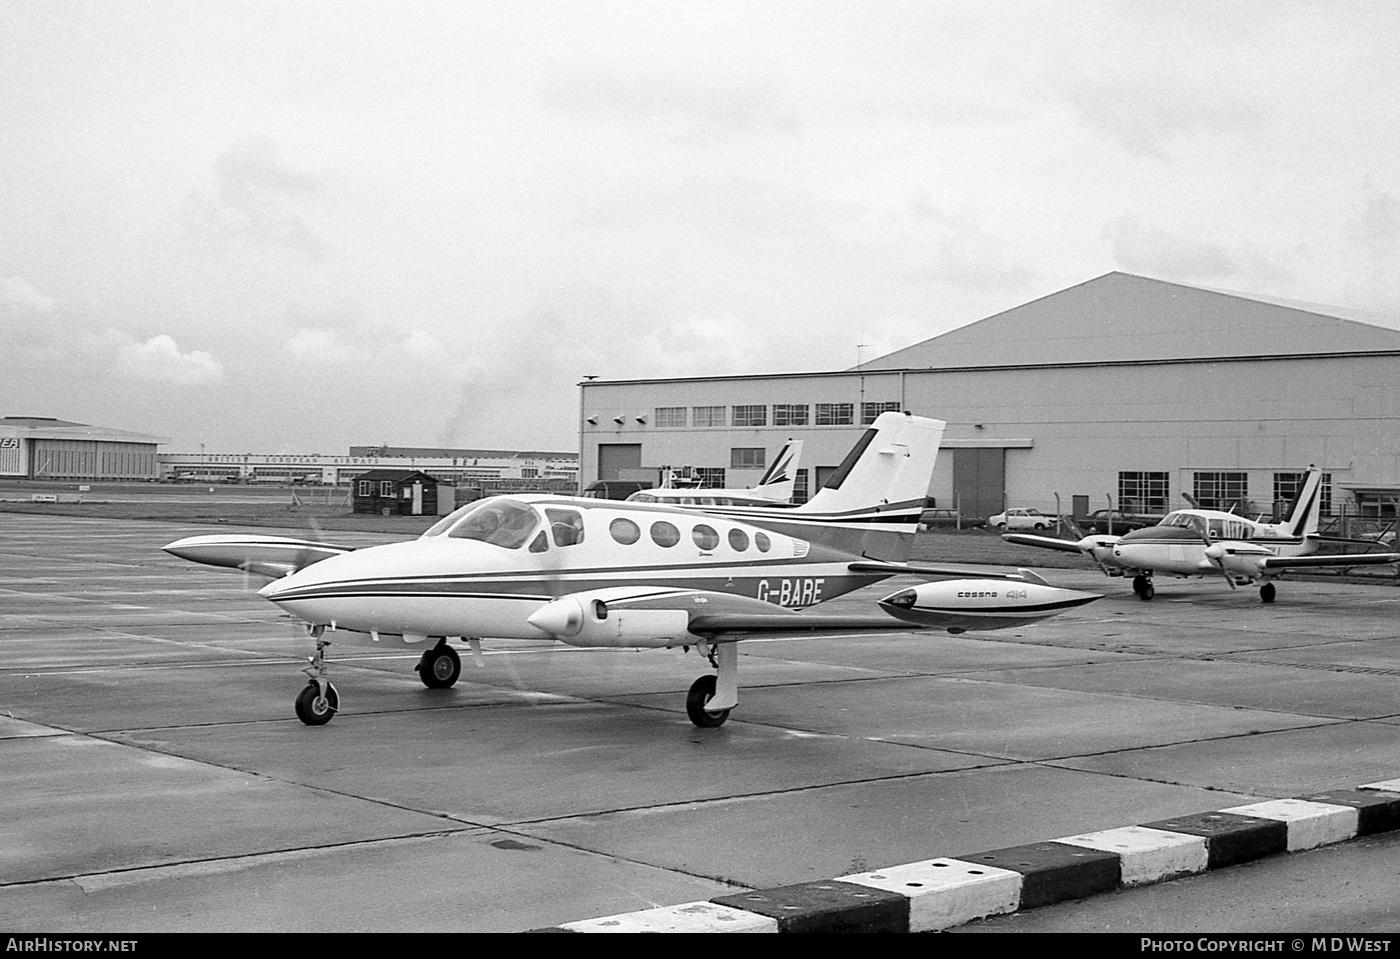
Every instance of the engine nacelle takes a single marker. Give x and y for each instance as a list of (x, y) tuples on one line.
[(958, 605), (584, 621)]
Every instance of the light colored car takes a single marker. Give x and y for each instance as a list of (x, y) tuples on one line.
[(1021, 519)]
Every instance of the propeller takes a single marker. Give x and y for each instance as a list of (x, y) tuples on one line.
[(1215, 555)]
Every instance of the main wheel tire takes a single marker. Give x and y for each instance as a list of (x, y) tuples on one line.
[(314, 710), (440, 667), (1266, 592), (701, 692)]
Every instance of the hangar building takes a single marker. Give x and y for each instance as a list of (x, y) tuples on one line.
[(41, 447), (1122, 387)]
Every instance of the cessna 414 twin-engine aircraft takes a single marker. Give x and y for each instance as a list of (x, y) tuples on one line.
[(602, 573), (1202, 542)]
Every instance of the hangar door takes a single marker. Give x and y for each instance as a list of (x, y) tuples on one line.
[(613, 457), (979, 480)]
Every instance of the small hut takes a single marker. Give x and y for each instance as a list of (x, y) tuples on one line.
[(396, 493)]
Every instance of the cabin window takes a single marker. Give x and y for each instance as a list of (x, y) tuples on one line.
[(625, 531), (566, 526), (738, 540), (705, 537), (762, 541), (665, 534)]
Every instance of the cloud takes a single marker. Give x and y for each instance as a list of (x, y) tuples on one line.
[(675, 108), (1377, 230), (1145, 114), (17, 291), (255, 201), (159, 360), (954, 250), (1152, 250)]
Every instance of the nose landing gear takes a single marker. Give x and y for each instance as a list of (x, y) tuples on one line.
[(318, 701)]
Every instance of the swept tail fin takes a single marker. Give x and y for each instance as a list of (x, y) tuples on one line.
[(1305, 510), (781, 477)]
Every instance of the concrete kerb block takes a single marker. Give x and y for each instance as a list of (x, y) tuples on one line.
[(1389, 785), (687, 917), (945, 892), (1148, 855), (830, 906), (1310, 824), (1054, 872), (1377, 810), (1230, 839)]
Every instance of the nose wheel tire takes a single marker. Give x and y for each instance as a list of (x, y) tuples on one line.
[(315, 709), (439, 667), (701, 692), (1266, 592), (1142, 585)]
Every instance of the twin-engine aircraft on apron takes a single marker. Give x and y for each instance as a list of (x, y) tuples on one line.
[(1207, 542), (602, 573)]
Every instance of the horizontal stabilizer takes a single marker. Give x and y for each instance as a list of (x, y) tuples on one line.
[(1044, 542), (1341, 559)]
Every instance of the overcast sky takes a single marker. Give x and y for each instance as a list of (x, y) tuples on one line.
[(294, 227)]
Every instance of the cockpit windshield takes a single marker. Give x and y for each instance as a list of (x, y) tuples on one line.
[(501, 522), (1184, 520)]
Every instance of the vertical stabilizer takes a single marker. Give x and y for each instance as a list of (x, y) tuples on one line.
[(871, 505), (1305, 510), (890, 467), (779, 481)]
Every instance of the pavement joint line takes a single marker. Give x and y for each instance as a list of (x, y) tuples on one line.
[(937, 894)]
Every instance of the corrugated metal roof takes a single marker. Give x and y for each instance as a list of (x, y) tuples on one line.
[(1119, 317)]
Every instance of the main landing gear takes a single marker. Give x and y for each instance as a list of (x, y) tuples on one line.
[(1266, 592), (440, 666), (1142, 585), (712, 697)]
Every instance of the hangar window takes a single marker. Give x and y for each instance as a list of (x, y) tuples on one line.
[(836, 414), (1224, 491), (739, 540), (708, 415), (664, 534), (625, 531), (748, 458), (710, 477), (868, 411), (1287, 486), (1145, 492), (750, 416), (790, 414), (670, 417), (705, 537)]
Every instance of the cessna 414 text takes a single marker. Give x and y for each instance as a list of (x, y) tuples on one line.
[(602, 573), (1202, 542)]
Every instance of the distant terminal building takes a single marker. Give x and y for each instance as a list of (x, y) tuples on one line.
[(1122, 388), (44, 448), (490, 471)]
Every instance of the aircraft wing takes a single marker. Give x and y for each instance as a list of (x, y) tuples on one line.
[(959, 572), (270, 556), (1336, 559)]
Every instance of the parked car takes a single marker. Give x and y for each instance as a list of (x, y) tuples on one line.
[(1116, 521), (1021, 519)]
